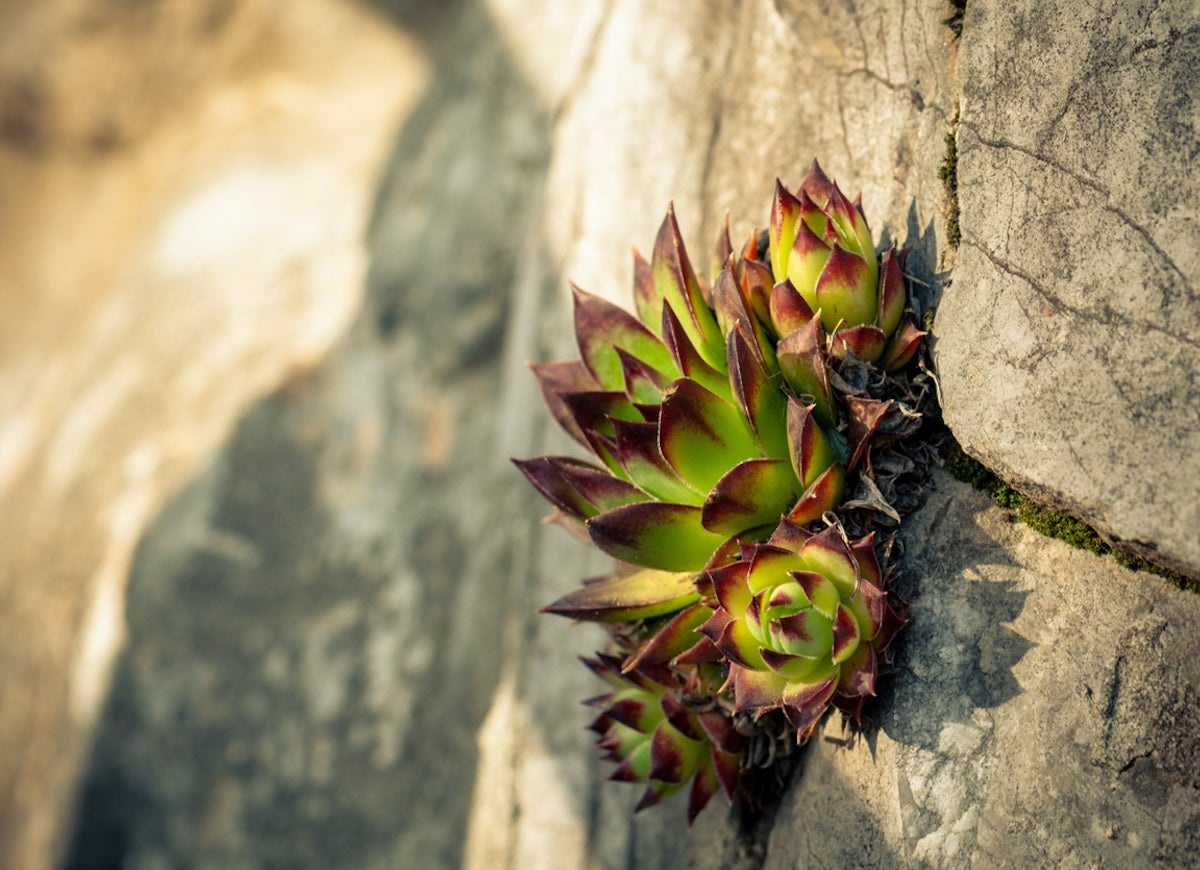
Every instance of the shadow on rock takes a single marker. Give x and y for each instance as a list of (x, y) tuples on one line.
[(314, 623), (957, 655)]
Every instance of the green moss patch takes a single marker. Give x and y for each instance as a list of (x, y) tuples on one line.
[(948, 173), (1052, 524)]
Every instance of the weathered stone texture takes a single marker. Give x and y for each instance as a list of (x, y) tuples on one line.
[(1069, 345), (1042, 713), (331, 653)]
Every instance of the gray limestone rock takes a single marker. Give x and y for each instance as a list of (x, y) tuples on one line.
[(1042, 712), (331, 653), (1069, 344)]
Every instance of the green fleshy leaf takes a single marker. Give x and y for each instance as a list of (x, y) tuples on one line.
[(669, 537), (688, 359), (846, 635), (641, 595), (759, 397), (802, 361), (646, 297), (846, 291), (601, 328), (701, 435), (785, 212), (677, 284), (828, 554), (638, 453), (807, 633), (753, 493)]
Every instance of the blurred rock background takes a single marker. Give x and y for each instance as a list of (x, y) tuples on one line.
[(269, 275)]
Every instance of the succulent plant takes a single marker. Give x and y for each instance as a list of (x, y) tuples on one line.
[(664, 733), (686, 410), (723, 423), (823, 259), (803, 621)]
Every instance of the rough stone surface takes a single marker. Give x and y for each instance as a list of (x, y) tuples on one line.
[(181, 216), (1069, 345), (1043, 712), (329, 651)]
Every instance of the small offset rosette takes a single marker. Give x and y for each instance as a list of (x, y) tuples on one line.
[(803, 621), (824, 264), (661, 734)]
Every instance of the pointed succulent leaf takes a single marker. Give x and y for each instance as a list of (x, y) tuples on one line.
[(659, 535), (688, 359), (891, 292), (728, 303), (809, 259), (701, 435), (852, 229), (595, 410), (561, 379), (827, 553), (673, 757), (859, 672), (825, 494), (757, 282), (730, 584), (807, 633), (676, 636), (902, 347), (768, 565), (640, 595), (802, 361), (797, 668), (821, 591), (868, 563), (578, 488), (785, 213), (643, 383), (758, 396), (636, 450), (789, 536), (636, 765), (817, 185), (789, 311), (845, 291), (647, 300), (867, 342), (846, 635), (733, 637), (750, 495), (681, 717), (635, 709), (804, 705), (728, 768), (676, 281), (756, 689), (601, 328), (704, 785), (810, 451), (656, 792)]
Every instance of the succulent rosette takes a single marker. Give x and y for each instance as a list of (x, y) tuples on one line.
[(698, 440), (804, 622), (823, 260), (660, 733), (722, 422)]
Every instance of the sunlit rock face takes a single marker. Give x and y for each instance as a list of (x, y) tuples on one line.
[(182, 220), (272, 274), (1070, 341)]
